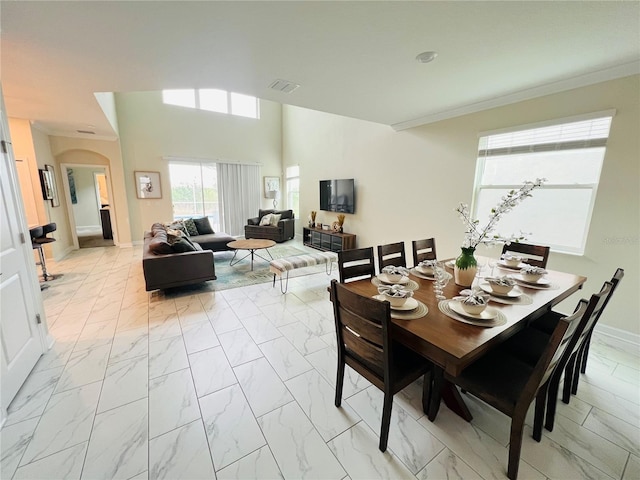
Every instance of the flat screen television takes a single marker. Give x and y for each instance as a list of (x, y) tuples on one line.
[(338, 195)]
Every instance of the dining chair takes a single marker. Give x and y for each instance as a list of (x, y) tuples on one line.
[(537, 255), (356, 263), (423, 250), (391, 254), (510, 384), (363, 329)]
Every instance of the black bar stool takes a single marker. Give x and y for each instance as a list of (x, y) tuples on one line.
[(38, 239)]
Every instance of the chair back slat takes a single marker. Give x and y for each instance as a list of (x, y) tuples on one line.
[(536, 255), (356, 264), (596, 305), (391, 254), (359, 348), (423, 250)]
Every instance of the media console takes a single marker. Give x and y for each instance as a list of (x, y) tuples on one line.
[(328, 240)]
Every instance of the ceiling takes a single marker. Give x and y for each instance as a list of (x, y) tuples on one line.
[(355, 59)]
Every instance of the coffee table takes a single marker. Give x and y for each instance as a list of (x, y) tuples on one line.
[(252, 245)]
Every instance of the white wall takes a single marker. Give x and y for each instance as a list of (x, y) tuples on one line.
[(87, 211), (408, 183), (150, 130)]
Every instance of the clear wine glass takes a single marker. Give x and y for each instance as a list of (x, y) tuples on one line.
[(441, 279), (493, 263), (481, 263)]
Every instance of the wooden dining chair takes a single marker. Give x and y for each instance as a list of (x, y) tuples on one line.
[(357, 263), (391, 254), (510, 384), (363, 329), (536, 255), (423, 250)]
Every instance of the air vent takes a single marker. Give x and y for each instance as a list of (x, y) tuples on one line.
[(284, 86), (88, 132)]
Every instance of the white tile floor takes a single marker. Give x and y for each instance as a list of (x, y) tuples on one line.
[(240, 384)]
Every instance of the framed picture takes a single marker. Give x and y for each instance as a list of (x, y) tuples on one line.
[(270, 184), (148, 185), (46, 182), (55, 200)]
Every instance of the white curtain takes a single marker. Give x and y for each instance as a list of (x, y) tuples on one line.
[(238, 194)]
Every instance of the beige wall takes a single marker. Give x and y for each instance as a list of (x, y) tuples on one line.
[(408, 183), (150, 130)]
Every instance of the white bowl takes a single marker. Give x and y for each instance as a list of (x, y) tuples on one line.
[(531, 277), (473, 309), (501, 289), (395, 301), (512, 261), (394, 277), (425, 270)]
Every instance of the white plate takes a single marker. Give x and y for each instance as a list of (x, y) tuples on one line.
[(542, 282), (383, 278), (450, 264), (488, 313), (509, 267), (514, 293), (410, 304)]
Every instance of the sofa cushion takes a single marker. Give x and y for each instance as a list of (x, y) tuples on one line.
[(203, 226), (286, 214), (159, 245), (265, 220), (183, 244), (190, 225), (178, 226), (275, 218)]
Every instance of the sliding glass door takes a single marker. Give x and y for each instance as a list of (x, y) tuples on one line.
[(194, 191)]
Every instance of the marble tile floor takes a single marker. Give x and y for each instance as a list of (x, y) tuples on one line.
[(240, 384)]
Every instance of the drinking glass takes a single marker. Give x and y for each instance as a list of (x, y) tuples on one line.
[(440, 280), (481, 263), (493, 263)]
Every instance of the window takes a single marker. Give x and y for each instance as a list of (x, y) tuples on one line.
[(293, 189), (214, 100), (569, 155), (194, 191)]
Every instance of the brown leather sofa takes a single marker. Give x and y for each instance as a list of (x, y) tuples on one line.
[(281, 232)]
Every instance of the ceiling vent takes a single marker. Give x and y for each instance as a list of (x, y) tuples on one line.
[(284, 86), (88, 132)]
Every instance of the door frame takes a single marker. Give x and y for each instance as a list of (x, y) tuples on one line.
[(67, 197)]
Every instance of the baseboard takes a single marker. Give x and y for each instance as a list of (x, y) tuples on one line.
[(627, 341), (130, 244)]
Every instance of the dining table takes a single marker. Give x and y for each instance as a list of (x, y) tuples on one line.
[(452, 344)]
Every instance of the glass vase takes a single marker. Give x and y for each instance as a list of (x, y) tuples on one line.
[(465, 268)]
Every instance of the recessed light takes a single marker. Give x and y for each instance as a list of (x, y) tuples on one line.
[(426, 57)]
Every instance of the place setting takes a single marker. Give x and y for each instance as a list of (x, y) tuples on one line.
[(425, 269), (512, 263), (403, 305), (504, 290), (472, 307), (533, 277), (392, 275)]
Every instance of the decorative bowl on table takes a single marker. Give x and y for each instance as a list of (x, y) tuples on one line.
[(501, 285), (396, 295), (511, 260), (474, 304), (426, 267), (532, 274), (394, 274)]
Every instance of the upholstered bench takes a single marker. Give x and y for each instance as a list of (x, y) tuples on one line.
[(284, 265)]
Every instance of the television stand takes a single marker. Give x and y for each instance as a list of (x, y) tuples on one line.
[(327, 240)]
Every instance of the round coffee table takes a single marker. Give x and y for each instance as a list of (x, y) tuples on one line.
[(251, 244)]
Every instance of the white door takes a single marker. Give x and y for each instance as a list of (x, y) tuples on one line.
[(20, 340)]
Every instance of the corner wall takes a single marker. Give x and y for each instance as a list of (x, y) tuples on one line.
[(408, 183)]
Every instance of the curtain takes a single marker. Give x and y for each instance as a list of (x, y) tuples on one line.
[(238, 194)]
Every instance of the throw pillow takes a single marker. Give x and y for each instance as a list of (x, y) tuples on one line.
[(183, 244), (179, 226), (203, 226), (173, 235), (275, 218), (160, 247), (266, 220), (190, 225)]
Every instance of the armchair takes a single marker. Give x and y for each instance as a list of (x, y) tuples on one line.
[(281, 232)]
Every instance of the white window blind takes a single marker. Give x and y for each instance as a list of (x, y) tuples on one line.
[(569, 155)]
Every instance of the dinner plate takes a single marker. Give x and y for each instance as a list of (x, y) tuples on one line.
[(488, 313), (514, 293), (383, 278), (509, 267), (542, 282), (410, 304)]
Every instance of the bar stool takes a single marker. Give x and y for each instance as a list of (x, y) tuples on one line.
[(38, 239)]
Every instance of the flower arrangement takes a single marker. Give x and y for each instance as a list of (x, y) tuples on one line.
[(475, 235), (340, 219)]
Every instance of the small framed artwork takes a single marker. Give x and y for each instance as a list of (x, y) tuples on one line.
[(148, 185), (46, 182), (55, 200), (271, 184)]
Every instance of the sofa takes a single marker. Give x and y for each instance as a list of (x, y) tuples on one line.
[(276, 225), (199, 231)]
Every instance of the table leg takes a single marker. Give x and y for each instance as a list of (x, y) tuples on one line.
[(447, 391)]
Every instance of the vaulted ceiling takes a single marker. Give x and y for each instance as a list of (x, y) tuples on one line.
[(350, 58)]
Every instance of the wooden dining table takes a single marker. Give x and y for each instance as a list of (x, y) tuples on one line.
[(453, 345)]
